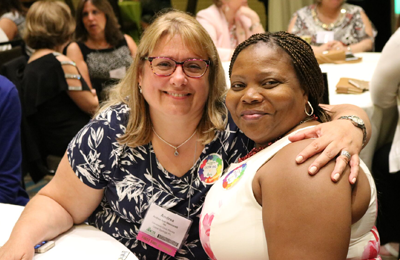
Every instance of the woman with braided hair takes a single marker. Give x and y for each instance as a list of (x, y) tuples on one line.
[(276, 211)]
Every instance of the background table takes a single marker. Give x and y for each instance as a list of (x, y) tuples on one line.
[(382, 130), (82, 242)]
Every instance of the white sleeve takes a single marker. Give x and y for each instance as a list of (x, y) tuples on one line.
[(385, 81)]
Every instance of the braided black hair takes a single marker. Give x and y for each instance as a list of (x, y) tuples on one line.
[(303, 60)]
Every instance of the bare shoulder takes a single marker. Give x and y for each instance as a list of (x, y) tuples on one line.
[(282, 172), (131, 44), (128, 38), (283, 177), (62, 57), (74, 51), (67, 67)]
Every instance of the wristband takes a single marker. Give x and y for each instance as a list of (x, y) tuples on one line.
[(357, 122)]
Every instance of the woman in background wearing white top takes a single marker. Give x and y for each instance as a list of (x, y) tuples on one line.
[(385, 87)]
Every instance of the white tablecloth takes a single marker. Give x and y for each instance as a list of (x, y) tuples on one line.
[(363, 70), (82, 242)]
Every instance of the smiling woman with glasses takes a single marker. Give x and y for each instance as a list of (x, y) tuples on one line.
[(158, 145), (164, 66)]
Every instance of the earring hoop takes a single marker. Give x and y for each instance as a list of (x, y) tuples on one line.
[(311, 107)]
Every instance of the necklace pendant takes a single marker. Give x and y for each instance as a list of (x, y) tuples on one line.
[(176, 152)]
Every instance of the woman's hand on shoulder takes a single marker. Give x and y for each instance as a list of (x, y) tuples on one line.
[(331, 139)]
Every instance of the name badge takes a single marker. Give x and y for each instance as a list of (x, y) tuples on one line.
[(118, 73), (163, 229), (211, 168), (325, 36)]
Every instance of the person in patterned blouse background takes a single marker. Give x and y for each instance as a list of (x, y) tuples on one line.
[(334, 25), (163, 138)]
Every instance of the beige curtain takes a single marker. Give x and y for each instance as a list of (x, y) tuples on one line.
[(281, 11)]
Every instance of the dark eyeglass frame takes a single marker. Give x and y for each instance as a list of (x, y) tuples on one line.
[(150, 59)]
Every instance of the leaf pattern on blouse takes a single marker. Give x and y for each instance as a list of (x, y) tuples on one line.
[(131, 185)]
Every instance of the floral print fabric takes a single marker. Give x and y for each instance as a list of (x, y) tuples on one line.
[(132, 179), (349, 31)]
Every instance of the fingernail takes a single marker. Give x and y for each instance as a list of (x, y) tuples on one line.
[(313, 169), (336, 176), (299, 159), (353, 180)]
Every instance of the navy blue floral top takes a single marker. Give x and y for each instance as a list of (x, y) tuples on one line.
[(131, 185)]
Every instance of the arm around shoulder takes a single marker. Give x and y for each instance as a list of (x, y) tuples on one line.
[(337, 111)]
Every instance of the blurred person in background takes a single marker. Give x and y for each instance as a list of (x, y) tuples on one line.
[(385, 93), (334, 25), (11, 190), (12, 18), (56, 100), (101, 51), (229, 22)]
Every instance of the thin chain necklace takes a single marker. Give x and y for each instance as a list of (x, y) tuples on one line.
[(191, 177), (176, 153), (257, 149)]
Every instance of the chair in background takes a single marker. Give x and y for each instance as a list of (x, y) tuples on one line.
[(17, 50), (32, 161)]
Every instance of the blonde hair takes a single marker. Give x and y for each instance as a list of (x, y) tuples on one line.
[(139, 127), (48, 24)]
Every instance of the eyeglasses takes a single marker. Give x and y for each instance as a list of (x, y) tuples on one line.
[(164, 66)]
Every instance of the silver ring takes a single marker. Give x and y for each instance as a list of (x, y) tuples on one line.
[(346, 154)]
